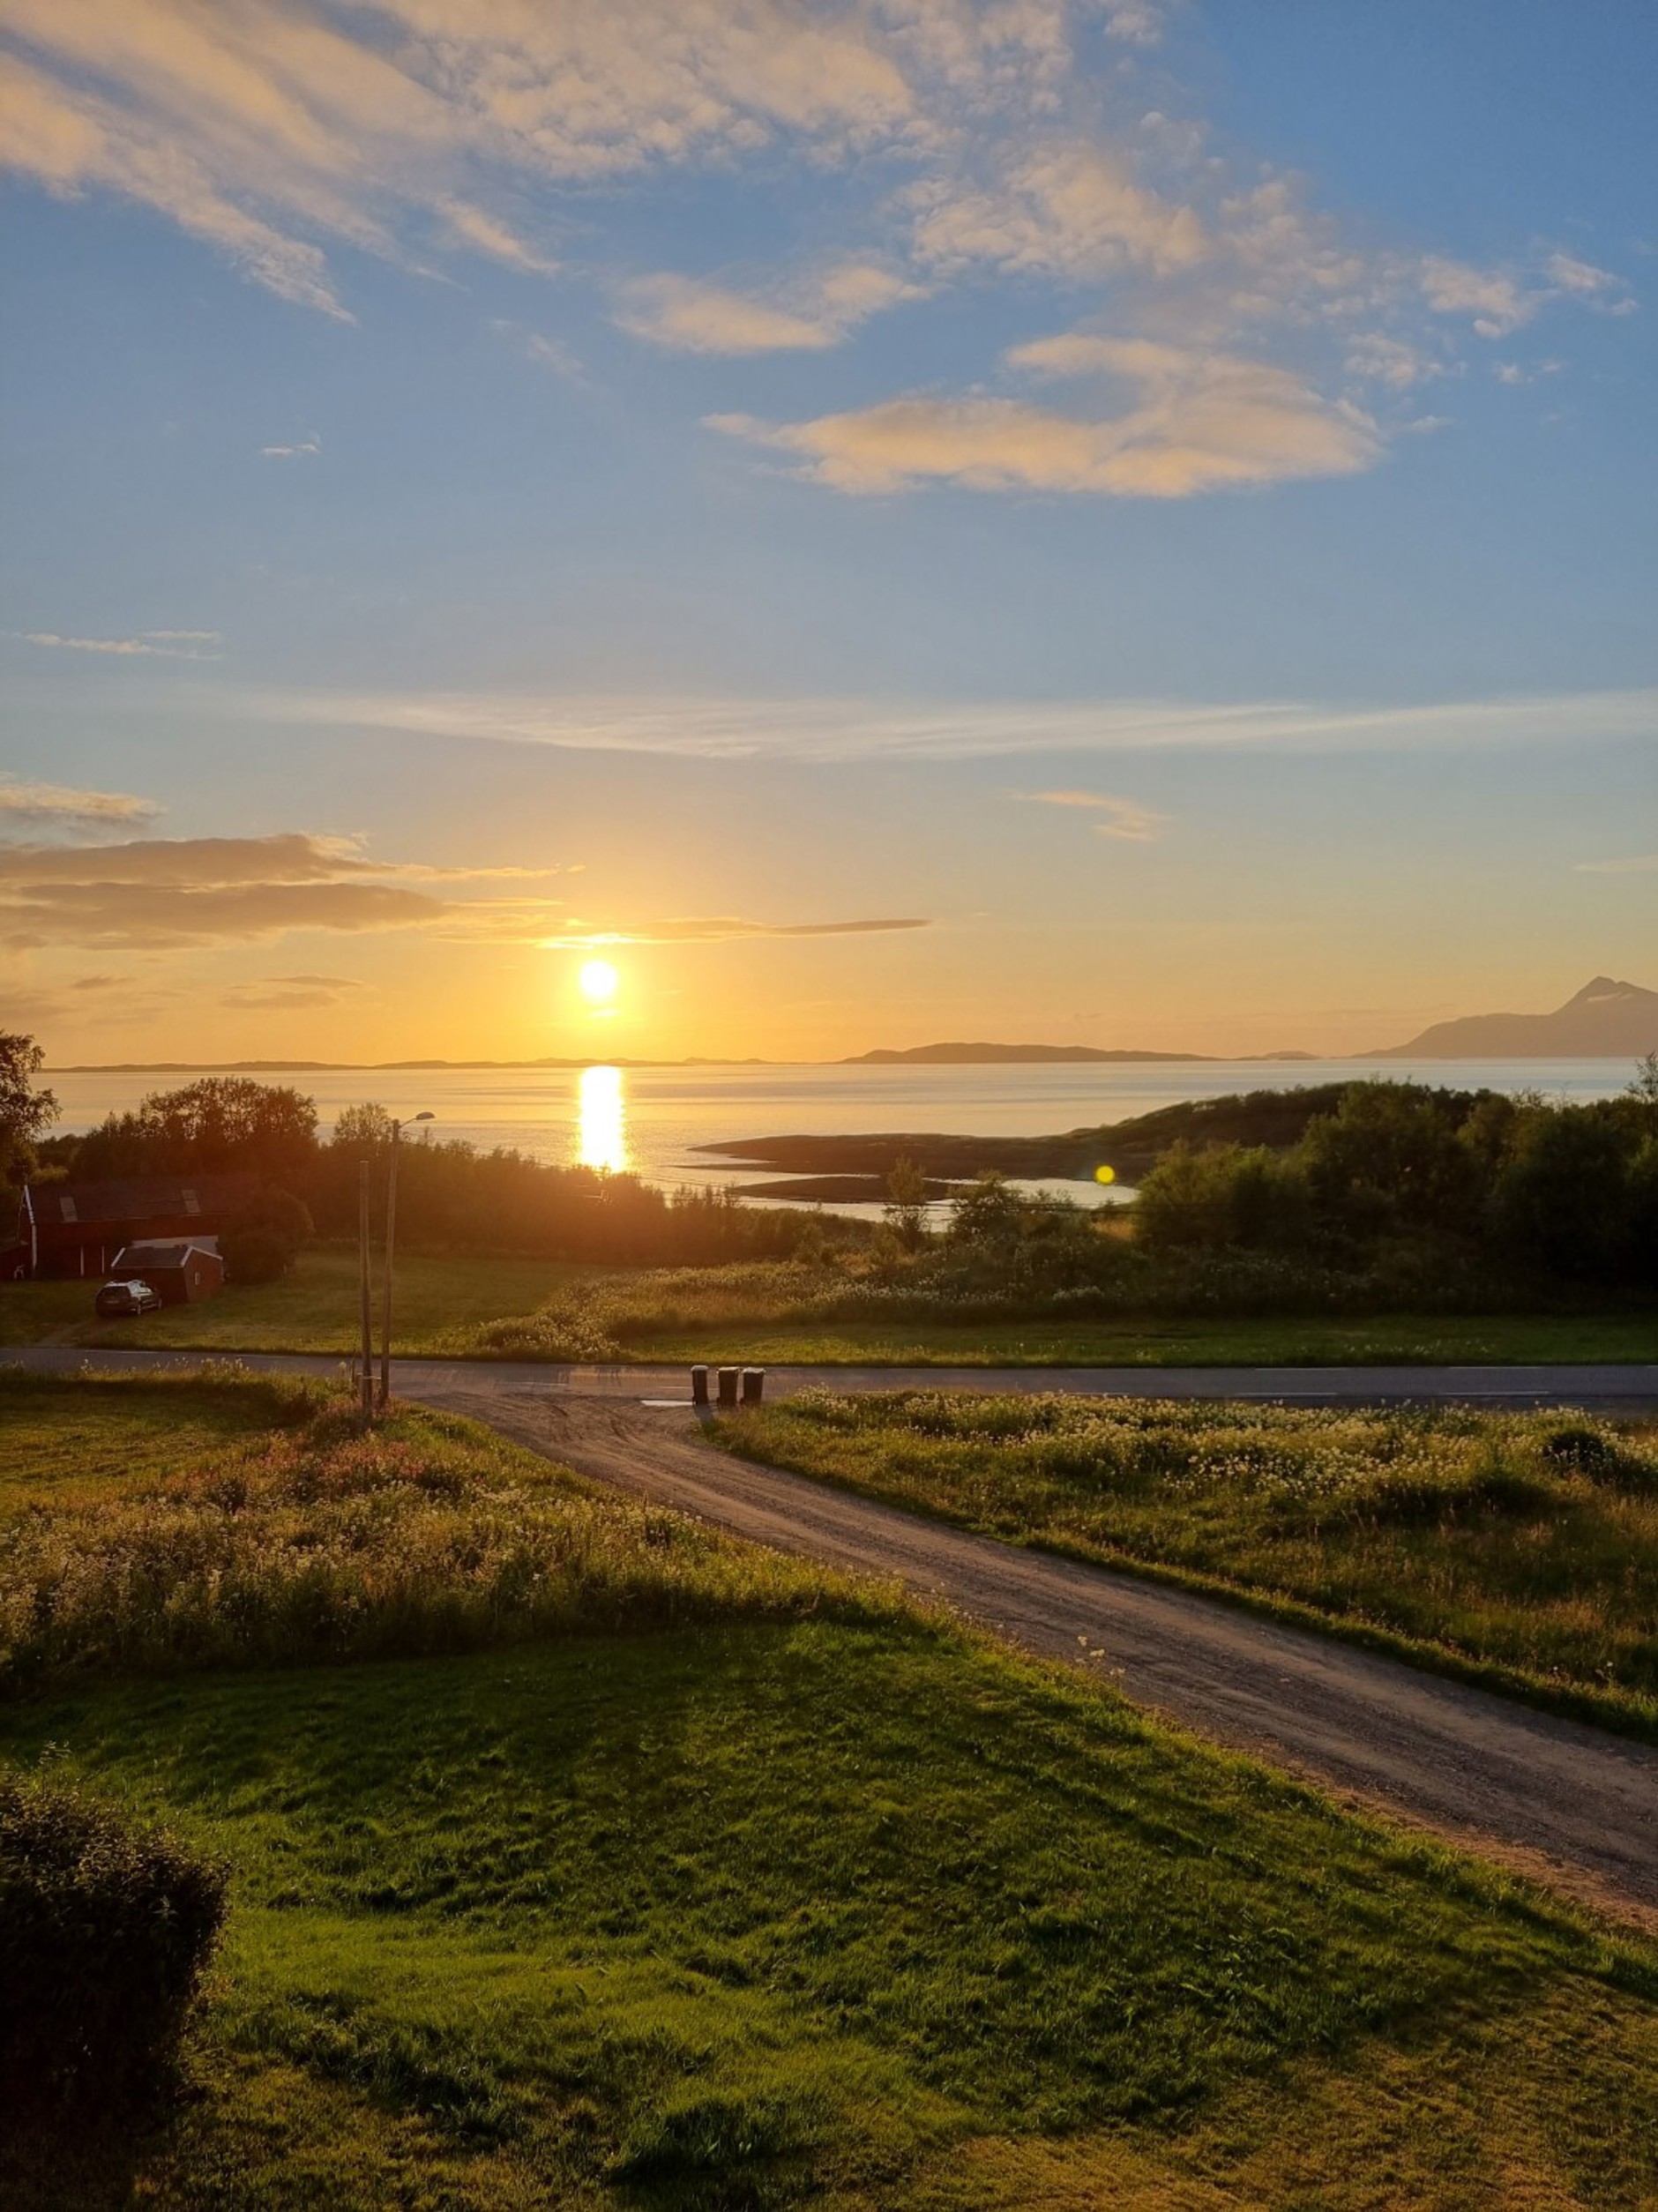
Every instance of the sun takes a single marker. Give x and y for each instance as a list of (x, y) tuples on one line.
[(598, 981)]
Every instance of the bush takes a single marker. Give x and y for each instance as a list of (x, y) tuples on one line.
[(263, 1240), (105, 1930)]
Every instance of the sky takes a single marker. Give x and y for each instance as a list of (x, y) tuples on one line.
[(1122, 522)]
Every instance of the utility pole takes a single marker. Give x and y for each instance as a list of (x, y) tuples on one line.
[(391, 1239), (363, 1272)]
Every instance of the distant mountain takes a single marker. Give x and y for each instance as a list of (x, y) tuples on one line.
[(998, 1055), (1607, 1020)]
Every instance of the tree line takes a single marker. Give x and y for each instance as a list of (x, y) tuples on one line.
[(451, 1195)]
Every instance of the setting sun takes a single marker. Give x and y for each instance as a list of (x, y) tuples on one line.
[(598, 981)]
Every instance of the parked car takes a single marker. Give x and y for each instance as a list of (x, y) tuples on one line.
[(117, 1300)]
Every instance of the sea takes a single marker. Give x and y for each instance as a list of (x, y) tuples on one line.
[(655, 1122)]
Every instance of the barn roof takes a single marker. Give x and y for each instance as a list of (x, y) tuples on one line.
[(140, 1197)]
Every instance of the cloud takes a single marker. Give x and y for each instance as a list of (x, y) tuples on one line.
[(705, 318), (552, 353), (1071, 209), (265, 128), (1203, 423), (297, 451), (162, 645), (1492, 297), (1391, 361), (715, 930), (812, 310), (1123, 819), (1588, 281), (35, 806), (854, 728), (1137, 22), (1632, 864), (472, 228), (160, 892), (275, 994)]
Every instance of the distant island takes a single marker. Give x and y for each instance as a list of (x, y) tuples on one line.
[(999, 1055), (1606, 1020)]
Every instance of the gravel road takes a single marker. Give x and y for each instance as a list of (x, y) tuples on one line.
[(1570, 1804)]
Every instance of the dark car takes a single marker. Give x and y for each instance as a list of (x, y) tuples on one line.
[(117, 1300)]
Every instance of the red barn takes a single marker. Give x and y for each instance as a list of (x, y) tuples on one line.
[(77, 1228)]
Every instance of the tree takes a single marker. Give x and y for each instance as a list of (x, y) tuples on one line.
[(365, 1128), (24, 1112), (221, 1124), (906, 1210), (1562, 1202)]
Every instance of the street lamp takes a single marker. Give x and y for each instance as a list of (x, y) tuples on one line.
[(398, 1128)]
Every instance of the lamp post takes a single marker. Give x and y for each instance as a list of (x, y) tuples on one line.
[(398, 1128)]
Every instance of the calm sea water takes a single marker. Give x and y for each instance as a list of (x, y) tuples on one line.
[(648, 1119)]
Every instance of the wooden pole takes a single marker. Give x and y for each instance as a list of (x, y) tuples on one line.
[(368, 1308), (385, 1307)]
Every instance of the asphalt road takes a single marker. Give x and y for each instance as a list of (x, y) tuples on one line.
[(1621, 1387), (1570, 1804)]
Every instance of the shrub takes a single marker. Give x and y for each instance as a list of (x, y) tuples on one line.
[(105, 1930), (263, 1240)]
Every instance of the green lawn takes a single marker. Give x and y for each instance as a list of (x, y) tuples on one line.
[(730, 1887), (1520, 1548), (313, 1310)]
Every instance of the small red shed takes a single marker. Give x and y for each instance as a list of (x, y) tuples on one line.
[(179, 1274)]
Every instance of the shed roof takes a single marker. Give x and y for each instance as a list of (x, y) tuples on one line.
[(157, 1253)]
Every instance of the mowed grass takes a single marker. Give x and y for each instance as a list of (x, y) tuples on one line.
[(816, 1913), (315, 1308), (1521, 1549), (681, 1875), (74, 1443)]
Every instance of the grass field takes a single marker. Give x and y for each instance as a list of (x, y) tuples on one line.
[(1521, 1548), (313, 1310), (448, 1306), (752, 1890)]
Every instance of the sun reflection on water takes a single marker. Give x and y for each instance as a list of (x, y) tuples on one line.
[(604, 1132)]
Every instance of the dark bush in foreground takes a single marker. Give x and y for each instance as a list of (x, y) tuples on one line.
[(105, 1930)]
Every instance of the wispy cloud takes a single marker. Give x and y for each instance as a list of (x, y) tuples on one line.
[(300, 448), (805, 312), (714, 929), (28, 808), (161, 645), (1631, 864), (1200, 422), (1124, 819), (281, 993), (831, 729)]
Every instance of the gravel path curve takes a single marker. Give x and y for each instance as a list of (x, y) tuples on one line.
[(1570, 1804)]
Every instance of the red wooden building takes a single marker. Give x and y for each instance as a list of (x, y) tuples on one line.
[(79, 1229), (179, 1272)]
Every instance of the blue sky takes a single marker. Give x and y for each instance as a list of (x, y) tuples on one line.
[(1122, 522)]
